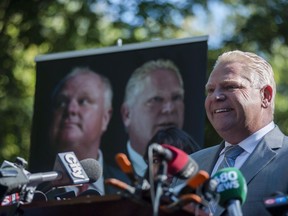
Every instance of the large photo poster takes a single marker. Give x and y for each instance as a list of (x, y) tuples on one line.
[(115, 64)]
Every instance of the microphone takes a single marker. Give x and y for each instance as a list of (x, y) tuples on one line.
[(90, 167), (195, 182), (277, 203), (179, 163), (209, 190), (89, 192), (68, 170), (232, 188), (125, 165), (120, 185), (12, 179), (193, 191), (181, 202), (202, 184), (94, 171)]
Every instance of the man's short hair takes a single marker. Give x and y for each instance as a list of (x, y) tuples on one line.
[(108, 94), (260, 69), (134, 84)]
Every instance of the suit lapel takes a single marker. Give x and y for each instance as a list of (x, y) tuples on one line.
[(263, 154), (211, 158)]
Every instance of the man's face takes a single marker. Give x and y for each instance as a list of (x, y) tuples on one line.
[(156, 170), (80, 117), (232, 105), (158, 105)]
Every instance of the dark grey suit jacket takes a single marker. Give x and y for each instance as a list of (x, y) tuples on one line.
[(112, 171), (265, 171)]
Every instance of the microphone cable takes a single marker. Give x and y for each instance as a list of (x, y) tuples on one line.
[(151, 178), (161, 177)]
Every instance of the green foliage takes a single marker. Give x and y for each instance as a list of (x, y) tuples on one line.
[(32, 27), (264, 22)]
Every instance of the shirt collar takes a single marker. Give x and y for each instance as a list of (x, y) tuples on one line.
[(99, 184), (250, 143), (137, 160), (100, 157)]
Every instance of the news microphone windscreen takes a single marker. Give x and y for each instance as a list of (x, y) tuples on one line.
[(92, 168), (231, 185), (181, 165), (73, 172), (120, 185), (124, 163), (197, 180)]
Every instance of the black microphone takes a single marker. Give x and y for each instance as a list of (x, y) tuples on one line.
[(277, 204), (179, 163)]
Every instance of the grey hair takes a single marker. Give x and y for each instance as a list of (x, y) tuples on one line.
[(108, 94), (260, 69), (135, 82)]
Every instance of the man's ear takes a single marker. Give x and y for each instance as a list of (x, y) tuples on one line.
[(266, 95), (125, 112), (106, 119)]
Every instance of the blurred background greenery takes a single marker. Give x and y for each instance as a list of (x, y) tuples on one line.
[(32, 27)]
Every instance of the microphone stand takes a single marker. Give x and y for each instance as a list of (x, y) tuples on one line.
[(156, 181), (160, 179)]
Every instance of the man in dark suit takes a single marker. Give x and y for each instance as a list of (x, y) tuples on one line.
[(240, 106), (82, 109)]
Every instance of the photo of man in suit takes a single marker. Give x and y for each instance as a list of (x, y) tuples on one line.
[(154, 100), (82, 109), (240, 105)]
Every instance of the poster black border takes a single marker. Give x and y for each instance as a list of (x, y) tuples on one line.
[(117, 63)]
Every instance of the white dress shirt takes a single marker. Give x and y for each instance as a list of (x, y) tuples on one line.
[(248, 144), (137, 161)]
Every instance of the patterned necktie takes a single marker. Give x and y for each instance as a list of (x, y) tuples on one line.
[(230, 155)]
